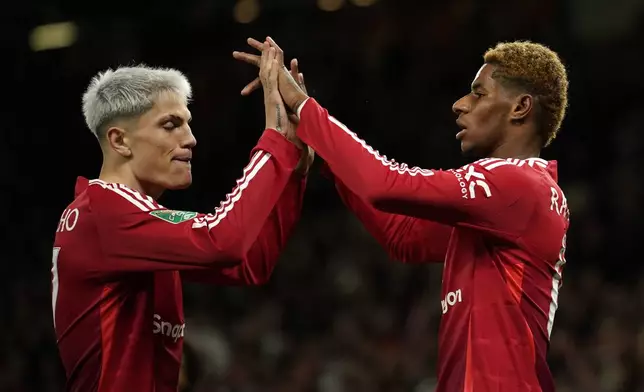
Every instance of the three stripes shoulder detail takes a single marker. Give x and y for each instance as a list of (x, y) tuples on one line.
[(143, 202), (146, 203), (492, 163)]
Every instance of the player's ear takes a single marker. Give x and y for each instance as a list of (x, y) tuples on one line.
[(117, 140), (522, 106)]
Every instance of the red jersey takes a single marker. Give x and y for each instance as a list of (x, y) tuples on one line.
[(499, 225), (119, 259)]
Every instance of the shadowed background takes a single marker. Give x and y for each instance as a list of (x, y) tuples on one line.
[(337, 315)]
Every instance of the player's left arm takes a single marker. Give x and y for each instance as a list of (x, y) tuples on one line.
[(260, 261), (495, 197)]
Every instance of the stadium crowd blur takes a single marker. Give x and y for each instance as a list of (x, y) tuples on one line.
[(337, 315)]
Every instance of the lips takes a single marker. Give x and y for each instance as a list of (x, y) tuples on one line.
[(462, 127)]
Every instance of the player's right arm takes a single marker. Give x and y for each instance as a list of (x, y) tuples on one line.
[(137, 235), (497, 197), (399, 235)]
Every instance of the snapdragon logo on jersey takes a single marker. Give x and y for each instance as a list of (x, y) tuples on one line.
[(451, 299), (168, 329), (173, 216), (470, 181)]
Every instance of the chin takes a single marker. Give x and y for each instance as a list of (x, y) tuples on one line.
[(469, 150), (179, 182), (466, 148), (180, 185)]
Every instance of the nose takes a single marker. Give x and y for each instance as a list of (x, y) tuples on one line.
[(460, 106), (189, 141)]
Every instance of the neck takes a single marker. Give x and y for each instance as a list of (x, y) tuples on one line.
[(517, 150), (122, 174)]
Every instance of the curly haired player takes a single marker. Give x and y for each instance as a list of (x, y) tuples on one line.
[(499, 224)]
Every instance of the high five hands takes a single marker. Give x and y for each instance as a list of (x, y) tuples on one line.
[(291, 84), (281, 88)]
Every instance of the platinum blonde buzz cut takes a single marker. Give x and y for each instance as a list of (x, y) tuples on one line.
[(129, 92)]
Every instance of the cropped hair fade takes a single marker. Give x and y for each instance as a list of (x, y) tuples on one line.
[(128, 92), (539, 71)]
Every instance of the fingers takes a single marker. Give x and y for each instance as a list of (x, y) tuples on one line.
[(279, 52), (294, 68), (255, 44), (252, 86), (274, 44), (274, 71), (247, 57), (268, 72), (265, 65), (297, 75)]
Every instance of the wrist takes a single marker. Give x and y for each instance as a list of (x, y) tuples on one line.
[(306, 160), (297, 101)]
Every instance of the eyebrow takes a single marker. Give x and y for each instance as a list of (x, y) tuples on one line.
[(175, 117), (476, 85)]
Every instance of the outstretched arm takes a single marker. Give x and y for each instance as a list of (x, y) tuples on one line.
[(137, 234), (471, 196), (404, 238), (143, 237), (260, 261)]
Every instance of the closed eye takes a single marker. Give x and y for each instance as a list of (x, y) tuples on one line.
[(170, 125)]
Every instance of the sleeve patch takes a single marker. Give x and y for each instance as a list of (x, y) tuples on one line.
[(172, 216)]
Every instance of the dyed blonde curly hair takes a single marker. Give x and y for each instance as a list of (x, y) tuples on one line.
[(537, 70)]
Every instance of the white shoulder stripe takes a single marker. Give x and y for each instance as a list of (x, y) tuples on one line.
[(147, 200), (497, 164), (401, 168), (491, 163), (126, 196), (486, 161), (538, 161)]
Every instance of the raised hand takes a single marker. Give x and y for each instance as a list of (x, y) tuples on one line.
[(295, 76), (273, 104), (290, 89), (308, 155)]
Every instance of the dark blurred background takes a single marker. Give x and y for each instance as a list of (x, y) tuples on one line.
[(337, 315)]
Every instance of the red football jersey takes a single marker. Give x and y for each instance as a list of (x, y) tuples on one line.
[(119, 258), (500, 226)]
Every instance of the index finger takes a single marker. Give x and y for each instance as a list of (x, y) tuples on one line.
[(247, 57), (255, 44), (278, 50), (274, 44)]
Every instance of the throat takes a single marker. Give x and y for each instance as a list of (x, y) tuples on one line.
[(508, 150)]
